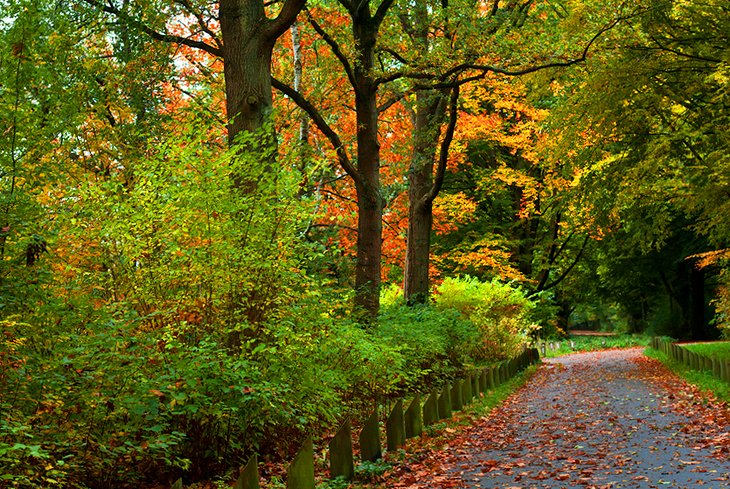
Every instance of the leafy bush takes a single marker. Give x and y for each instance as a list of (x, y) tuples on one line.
[(433, 343), (500, 311)]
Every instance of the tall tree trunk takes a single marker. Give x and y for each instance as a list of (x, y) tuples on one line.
[(429, 115), (248, 41), (370, 201), (247, 67), (423, 184)]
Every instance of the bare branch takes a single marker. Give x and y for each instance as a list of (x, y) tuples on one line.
[(335, 49), (568, 270), (445, 146), (201, 21), (158, 36), (287, 16), (322, 125)]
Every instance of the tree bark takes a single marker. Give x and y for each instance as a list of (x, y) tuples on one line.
[(428, 117), (370, 201), (247, 65), (429, 114), (248, 42)]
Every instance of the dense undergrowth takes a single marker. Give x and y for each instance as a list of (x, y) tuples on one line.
[(118, 403)]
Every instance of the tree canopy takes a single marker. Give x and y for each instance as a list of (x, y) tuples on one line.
[(221, 222)]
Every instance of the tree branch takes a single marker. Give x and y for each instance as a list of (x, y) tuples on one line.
[(483, 70), (335, 49), (158, 36), (287, 16), (322, 125), (382, 11), (445, 146), (201, 21), (567, 270)]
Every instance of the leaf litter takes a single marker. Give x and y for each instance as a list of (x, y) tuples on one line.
[(597, 420)]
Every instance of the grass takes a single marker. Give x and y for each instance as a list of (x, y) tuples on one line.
[(719, 349), (594, 343), (704, 380)]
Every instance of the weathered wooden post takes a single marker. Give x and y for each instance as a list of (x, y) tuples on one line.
[(456, 401), (370, 449), (444, 402), (476, 385), (300, 474), (248, 478), (483, 384), (342, 463), (466, 390), (395, 432), (490, 378), (413, 418), (431, 409)]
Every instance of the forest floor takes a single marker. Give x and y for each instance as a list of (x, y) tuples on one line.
[(609, 419)]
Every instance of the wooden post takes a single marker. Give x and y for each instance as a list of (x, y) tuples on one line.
[(300, 474), (395, 433), (413, 418), (466, 390), (456, 401), (370, 449), (444, 402), (431, 409), (342, 463), (248, 478)]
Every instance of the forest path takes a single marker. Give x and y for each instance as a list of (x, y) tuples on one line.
[(611, 419)]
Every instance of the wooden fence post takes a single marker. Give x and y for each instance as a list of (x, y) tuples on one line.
[(342, 463), (413, 418), (466, 390), (483, 384), (431, 409), (370, 449), (395, 432), (444, 402), (248, 478), (300, 474), (456, 400)]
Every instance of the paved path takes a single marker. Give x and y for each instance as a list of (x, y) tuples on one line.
[(595, 420)]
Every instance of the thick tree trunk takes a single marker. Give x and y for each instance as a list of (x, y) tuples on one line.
[(247, 49), (369, 196), (416, 283), (429, 115)]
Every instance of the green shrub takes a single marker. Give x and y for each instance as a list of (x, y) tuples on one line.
[(501, 312), (433, 343)]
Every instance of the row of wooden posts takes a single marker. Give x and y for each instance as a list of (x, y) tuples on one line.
[(718, 368), (400, 425)]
